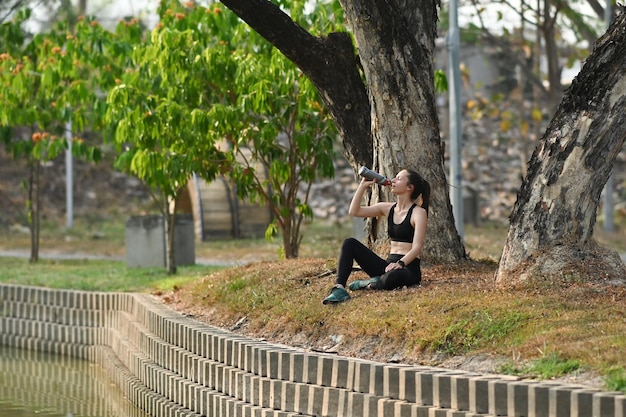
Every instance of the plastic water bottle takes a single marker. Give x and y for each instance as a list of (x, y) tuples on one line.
[(365, 172)]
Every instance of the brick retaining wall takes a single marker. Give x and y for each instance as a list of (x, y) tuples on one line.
[(171, 365)]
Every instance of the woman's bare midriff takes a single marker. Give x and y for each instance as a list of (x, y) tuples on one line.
[(399, 248)]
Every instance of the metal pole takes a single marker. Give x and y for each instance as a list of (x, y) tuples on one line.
[(456, 175), (69, 180), (69, 162), (608, 206)]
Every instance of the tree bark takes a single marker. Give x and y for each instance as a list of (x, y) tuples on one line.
[(396, 41), (392, 123), (548, 29), (34, 207), (169, 225), (551, 229)]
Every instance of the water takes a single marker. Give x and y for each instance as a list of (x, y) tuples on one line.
[(35, 384)]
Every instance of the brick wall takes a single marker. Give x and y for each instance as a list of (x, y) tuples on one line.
[(171, 365)]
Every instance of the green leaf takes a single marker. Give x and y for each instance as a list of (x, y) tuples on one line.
[(441, 82)]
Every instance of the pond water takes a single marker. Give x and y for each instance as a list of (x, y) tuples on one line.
[(36, 384)]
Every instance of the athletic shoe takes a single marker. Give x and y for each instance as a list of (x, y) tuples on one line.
[(362, 284), (337, 295)]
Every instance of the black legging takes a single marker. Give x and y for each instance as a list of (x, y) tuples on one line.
[(374, 266)]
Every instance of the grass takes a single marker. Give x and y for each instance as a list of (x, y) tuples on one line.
[(616, 379), (457, 318), (94, 275), (456, 315), (546, 366), (482, 327)]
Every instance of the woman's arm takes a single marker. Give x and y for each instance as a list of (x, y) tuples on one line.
[(375, 210)]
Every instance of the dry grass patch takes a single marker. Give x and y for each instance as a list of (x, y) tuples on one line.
[(457, 318)]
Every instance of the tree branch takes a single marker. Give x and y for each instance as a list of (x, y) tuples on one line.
[(331, 65)]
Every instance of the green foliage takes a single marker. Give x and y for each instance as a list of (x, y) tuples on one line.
[(478, 330), (552, 365), (158, 102), (12, 37), (324, 17), (204, 94), (616, 379), (547, 366), (237, 284), (45, 85), (441, 82), (94, 275)]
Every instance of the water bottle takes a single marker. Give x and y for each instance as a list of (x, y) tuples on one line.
[(373, 175)]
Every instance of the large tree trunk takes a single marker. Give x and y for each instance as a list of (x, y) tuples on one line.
[(392, 123), (396, 41), (551, 228)]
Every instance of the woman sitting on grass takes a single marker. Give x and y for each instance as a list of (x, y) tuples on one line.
[(406, 221)]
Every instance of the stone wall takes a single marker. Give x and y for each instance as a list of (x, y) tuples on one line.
[(171, 365)]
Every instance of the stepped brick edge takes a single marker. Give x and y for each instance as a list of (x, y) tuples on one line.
[(171, 365)]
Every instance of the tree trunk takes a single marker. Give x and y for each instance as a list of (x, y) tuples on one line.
[(396, 43), (393, 124), (291, 250), (34, 210), (552, 222), (169, 224), (548, 30)]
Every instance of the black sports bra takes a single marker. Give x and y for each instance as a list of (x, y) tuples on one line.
[(404, 231)]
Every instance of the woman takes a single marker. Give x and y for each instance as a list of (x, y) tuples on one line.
[(406, 220)]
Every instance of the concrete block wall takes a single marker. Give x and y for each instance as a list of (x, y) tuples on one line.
[(171, 365)]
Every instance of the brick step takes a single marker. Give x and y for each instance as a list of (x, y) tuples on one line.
[(53, 313), (171, 371)]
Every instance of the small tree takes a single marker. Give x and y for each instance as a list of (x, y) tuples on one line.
[(275, 113), (153, 108), (203, 79), (291, 137), (42, 87)]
